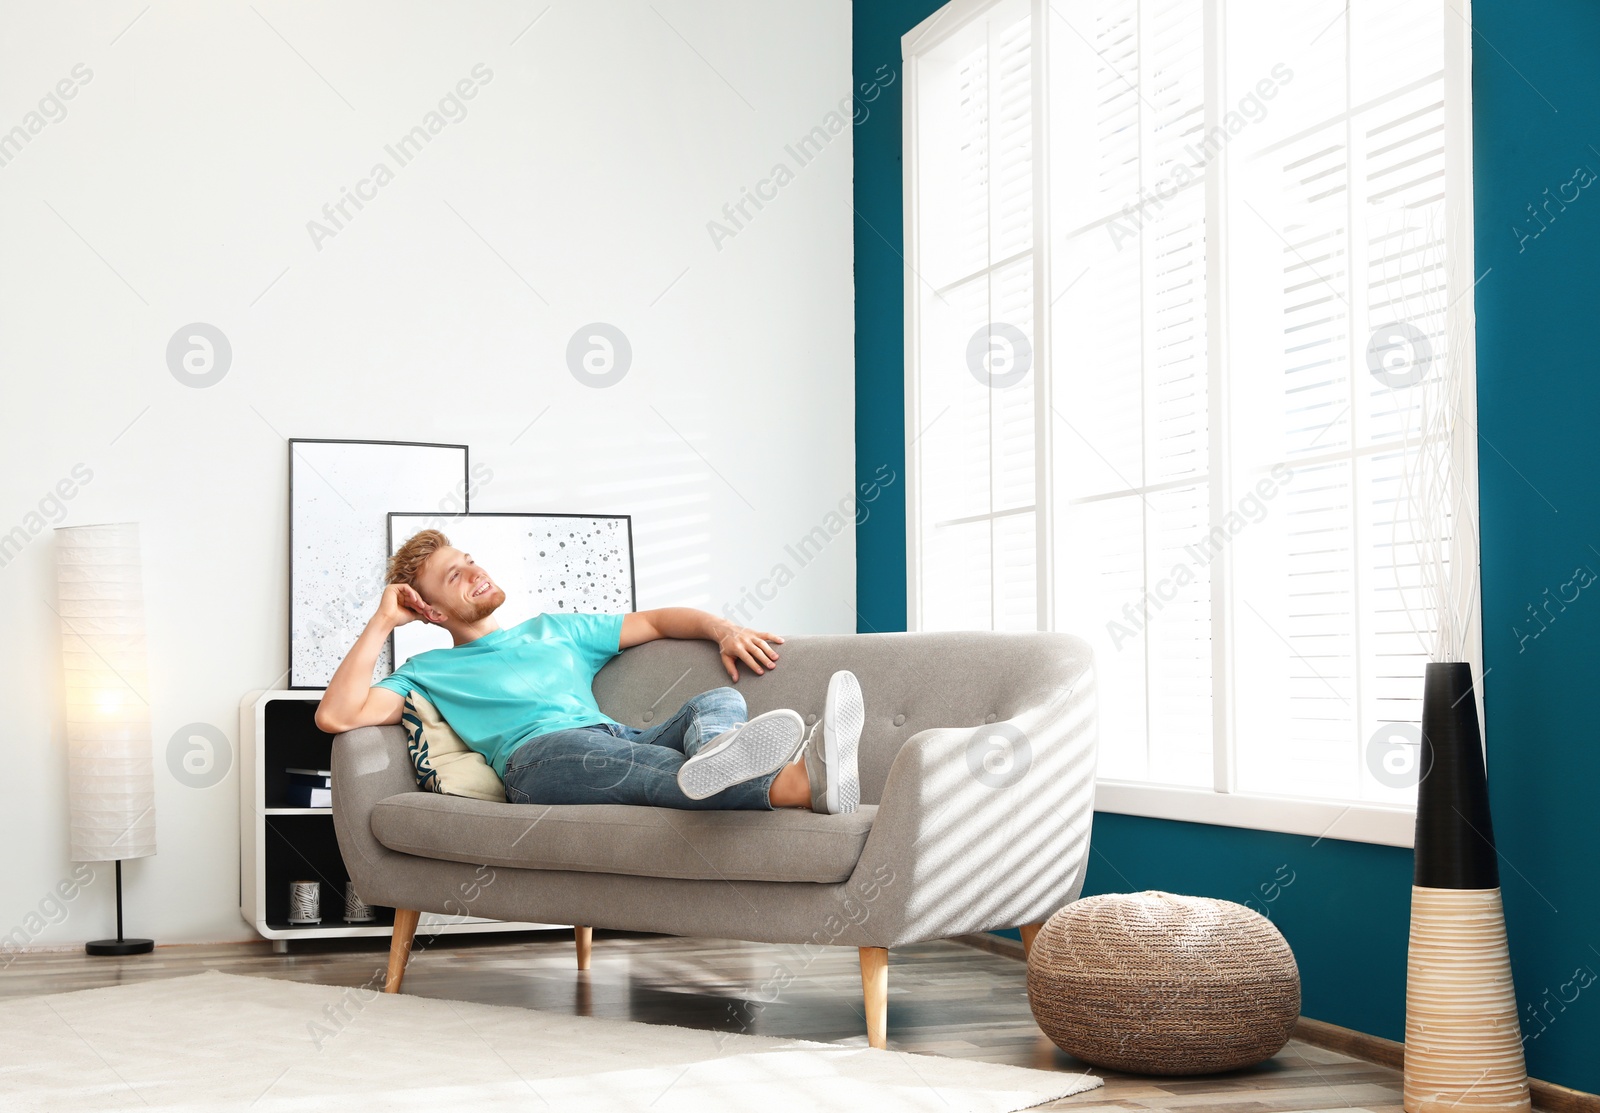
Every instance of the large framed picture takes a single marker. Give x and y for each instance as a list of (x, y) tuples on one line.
[(577, 563), (340, 493)]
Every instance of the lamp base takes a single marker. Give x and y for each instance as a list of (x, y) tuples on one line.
[(119, 946)]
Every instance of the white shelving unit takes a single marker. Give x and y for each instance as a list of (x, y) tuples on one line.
[(281, 844)]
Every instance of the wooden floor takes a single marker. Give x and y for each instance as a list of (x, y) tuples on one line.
[(945, 998)]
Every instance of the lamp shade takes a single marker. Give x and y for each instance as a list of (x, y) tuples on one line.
[(104, 666)]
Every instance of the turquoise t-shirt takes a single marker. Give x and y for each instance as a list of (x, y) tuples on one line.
[(511, 684)]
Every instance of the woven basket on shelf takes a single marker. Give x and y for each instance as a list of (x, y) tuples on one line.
[(1153, 983)]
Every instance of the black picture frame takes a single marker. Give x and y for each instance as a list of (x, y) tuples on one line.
[(626, 519), (466, 502)]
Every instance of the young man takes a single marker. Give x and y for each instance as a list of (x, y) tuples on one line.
[(522, 698)]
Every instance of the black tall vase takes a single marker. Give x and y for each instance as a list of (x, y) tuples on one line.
[(1463, 1048), (1455, 837)]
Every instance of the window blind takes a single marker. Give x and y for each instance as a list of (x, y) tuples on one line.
[(976, 299), (1245, 274)]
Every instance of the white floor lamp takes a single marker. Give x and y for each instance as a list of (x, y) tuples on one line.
[(104, 666)]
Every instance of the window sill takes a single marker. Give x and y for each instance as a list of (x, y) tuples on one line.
[(1295, 815)]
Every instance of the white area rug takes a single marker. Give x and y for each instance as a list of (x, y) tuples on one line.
[(216, 1041)]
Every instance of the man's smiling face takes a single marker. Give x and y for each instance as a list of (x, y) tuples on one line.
[(452, 582)]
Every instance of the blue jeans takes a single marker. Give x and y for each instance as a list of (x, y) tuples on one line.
[(611, 763)]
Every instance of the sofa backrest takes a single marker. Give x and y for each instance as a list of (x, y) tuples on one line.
[(910, 682)]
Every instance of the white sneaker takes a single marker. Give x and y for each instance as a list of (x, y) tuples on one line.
[(763, 745), (831, 747)]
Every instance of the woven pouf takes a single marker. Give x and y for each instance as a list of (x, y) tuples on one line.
[(1153, 983)]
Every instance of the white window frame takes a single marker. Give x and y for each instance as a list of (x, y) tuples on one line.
[(1350, 821)]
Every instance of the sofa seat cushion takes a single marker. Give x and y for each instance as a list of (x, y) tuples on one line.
[(785, 844)]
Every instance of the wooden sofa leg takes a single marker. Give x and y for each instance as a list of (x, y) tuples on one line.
[(405, 930), (875, 993), (1028, 932), (585, 939)]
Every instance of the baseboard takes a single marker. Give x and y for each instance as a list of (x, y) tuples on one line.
[(1347, 1041), (1547, 1096)]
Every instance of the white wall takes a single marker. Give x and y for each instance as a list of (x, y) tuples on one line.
[(177, 188)]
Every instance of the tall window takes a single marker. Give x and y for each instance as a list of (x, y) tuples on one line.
[(978, 266), (1178, 273)]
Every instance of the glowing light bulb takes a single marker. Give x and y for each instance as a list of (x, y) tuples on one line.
[(109, 702)]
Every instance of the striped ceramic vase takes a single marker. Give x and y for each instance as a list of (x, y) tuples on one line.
[(1463, 1043)]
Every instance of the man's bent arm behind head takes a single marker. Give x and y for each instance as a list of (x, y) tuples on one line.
[(351, 701)]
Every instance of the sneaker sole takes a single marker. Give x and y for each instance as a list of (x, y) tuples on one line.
[(763, 745), (843, 716)]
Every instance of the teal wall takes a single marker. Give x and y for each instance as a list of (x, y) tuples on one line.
[(1536, 110), (1538, 401)]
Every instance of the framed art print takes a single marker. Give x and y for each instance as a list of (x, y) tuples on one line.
[(576, 563), (340, 495)]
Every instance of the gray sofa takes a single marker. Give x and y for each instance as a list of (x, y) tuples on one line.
[(977, 786)]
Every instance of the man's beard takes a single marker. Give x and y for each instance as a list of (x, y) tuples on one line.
[(479, 609)]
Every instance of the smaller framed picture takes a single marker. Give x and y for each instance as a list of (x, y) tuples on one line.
[(577, 563)]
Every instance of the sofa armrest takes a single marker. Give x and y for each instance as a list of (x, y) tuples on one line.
[(985, 827), (369, 764)]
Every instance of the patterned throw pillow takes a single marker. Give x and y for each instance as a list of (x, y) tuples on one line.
[(443, 762)]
